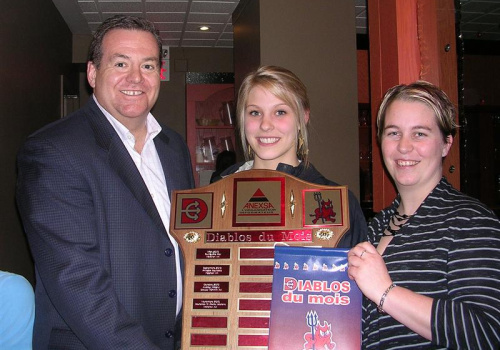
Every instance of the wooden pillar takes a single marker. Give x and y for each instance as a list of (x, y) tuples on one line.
[(407, 43)]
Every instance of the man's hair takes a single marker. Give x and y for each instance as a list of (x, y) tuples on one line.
[(120, 22)]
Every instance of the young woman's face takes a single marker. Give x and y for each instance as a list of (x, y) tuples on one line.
[(413, 146), (270, 129)]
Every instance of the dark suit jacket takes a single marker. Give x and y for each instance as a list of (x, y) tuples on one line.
[(105, 266)]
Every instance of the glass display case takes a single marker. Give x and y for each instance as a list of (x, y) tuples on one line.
[(210, 118)]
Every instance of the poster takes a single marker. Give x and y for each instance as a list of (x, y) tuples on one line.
[(314, 303)]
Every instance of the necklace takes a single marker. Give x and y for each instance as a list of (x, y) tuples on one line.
[(398, 221)]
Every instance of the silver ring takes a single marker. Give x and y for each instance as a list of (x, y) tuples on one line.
[(361, 255)]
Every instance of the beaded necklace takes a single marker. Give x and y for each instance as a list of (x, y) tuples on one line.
[(401, 221)]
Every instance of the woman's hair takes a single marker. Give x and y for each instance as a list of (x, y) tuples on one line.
[(286, 86), (426, 93), (120, 22)]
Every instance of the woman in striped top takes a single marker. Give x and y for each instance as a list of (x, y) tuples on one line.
[(431, 271)]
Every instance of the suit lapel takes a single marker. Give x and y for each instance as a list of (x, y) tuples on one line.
[(161, 143), (121, 162)]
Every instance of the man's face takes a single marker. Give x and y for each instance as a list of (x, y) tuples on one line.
[(127, 82)]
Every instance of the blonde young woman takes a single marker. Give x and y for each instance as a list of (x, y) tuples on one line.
[(431, 269), (273, 111)]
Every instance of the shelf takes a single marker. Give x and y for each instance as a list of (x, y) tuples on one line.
[(208, 103)]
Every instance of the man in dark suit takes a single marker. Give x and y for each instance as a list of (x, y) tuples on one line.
[(93, 193)]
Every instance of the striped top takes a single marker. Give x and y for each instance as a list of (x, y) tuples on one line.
[(449, 250)]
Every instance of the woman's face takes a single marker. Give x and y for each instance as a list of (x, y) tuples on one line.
[(413, 146), (270, 129)]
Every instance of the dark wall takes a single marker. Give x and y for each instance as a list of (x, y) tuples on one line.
[(481, 80), (35, 51)]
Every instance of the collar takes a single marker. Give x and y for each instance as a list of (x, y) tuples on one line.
[(283, 167), (152, 126)]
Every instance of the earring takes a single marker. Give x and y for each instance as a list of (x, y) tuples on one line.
[(249, 152), (300, 141), (302, 151)]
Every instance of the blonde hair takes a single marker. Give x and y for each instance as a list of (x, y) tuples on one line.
[(286, 86)]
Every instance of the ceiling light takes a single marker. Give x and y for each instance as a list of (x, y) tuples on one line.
[(204, 28)]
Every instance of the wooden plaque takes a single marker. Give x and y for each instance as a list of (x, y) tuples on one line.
[(227, 232)]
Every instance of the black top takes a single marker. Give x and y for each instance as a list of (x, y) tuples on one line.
[(448, 250), (358, 229)]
